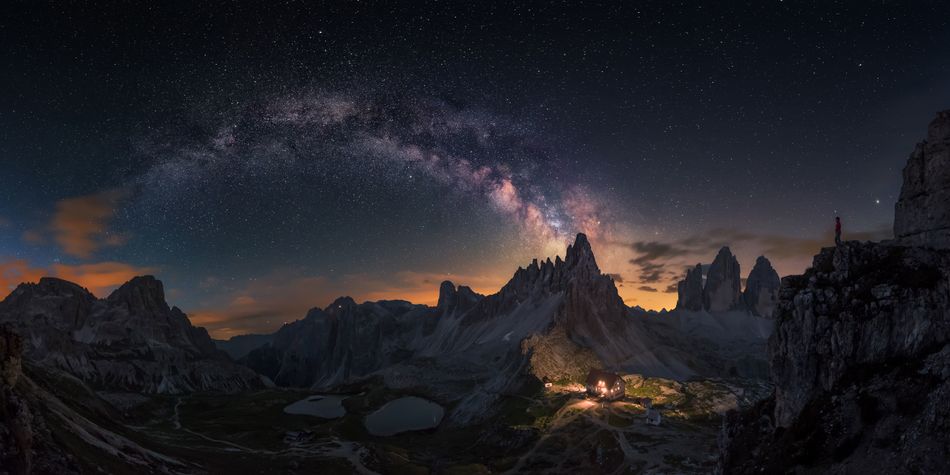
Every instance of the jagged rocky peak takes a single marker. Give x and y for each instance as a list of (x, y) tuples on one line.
[(761, 288), (579, 264), (50, 287), (141, 295), (723, 284), (690, 290), (922, 214), (580, 255), (63, 303)]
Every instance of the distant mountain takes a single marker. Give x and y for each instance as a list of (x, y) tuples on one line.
[(721, 289), (553, 320), (239, 346), (129, 341)]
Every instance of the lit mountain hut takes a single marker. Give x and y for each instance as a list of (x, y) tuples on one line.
[(601, 384)]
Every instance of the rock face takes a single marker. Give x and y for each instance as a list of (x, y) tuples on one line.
[(26, 443), (16, 432), (723, 287), (860, 360), (130, 341), (339, 342), (690, 290), (921, 215), (761, 288)]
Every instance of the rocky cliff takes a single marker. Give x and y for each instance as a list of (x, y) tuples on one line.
[(130, 341), (921, 215), (860, 359)]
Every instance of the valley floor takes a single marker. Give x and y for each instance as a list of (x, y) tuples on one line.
[(552, 430)]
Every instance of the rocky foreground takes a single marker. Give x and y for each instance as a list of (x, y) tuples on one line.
[(860, 362), (860, 356)]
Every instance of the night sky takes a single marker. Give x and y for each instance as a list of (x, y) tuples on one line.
[(265, 159)]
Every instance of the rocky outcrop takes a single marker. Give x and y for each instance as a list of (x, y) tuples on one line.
[(922, 215), (860, 360), (690, 290), (130, 341), (860, 356), (761, 288), (26, 443), (723, 287)]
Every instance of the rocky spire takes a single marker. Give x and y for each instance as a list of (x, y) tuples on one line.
[(922, 214), (690, 290), (448, 296), (761, 288), (580, 255), (723, 288)]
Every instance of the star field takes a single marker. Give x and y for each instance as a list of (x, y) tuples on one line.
[(263, 159)]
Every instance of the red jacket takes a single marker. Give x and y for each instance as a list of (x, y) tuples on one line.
[(837, 226)]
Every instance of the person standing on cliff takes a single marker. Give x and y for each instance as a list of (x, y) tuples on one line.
[(837, 231)]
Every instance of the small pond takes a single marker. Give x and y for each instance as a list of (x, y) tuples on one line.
[(404, 414), (325, 406)]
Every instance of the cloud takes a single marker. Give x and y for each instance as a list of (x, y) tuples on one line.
[(286, 295), (646, 288), (80, 225), (652, 257), (33, 237), (99, 278), (617, 278), (14, 272), (671, 289)]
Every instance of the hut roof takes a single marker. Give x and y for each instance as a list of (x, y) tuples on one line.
[(596, 375)]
